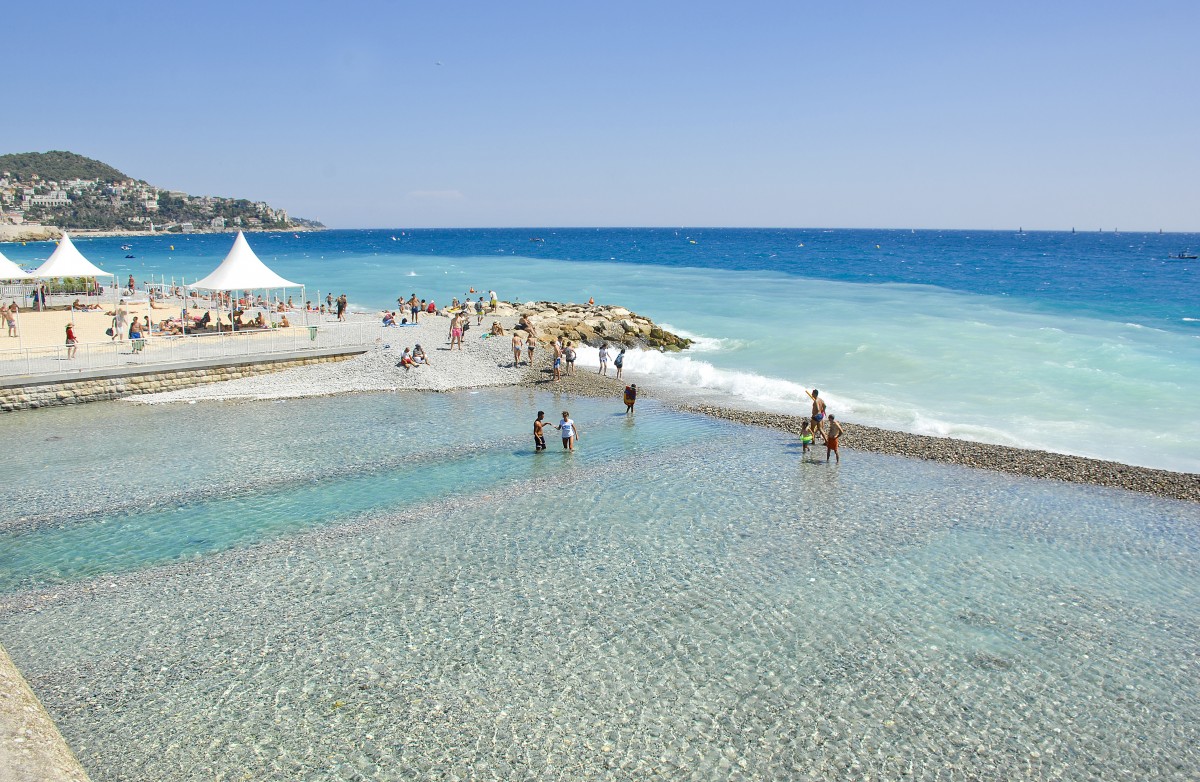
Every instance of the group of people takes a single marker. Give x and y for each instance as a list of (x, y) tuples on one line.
[(814, 427), (413, 358), (569, 429)]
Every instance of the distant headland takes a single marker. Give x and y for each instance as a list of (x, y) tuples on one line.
[(44, 193)]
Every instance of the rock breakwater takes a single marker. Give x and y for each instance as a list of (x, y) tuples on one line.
[(592, 324)]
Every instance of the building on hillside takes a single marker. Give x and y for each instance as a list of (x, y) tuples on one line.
[(187, 228), (218, 223)]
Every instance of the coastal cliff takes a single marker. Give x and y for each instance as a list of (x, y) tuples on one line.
[(55, 191)]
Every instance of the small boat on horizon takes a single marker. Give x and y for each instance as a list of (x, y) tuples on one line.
[(1182, 257)]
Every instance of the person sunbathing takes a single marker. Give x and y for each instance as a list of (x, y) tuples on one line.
[(284, 323), (419, 356), (497, 329), (406, 360), (389, 318)]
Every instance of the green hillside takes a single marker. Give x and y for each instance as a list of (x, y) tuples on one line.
[(57, 166)]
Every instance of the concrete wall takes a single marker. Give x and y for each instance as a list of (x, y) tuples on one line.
[(31, 748), (48, 393)]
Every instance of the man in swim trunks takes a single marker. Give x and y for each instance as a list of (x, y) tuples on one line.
[(539, 439), (831, 439), (818, 413)]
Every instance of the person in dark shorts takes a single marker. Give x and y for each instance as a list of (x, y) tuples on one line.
[(539, 438)]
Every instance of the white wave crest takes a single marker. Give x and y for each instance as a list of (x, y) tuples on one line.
[(686, 373), (703, 344)]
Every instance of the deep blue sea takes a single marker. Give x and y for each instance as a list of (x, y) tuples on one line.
[(1087, 343)]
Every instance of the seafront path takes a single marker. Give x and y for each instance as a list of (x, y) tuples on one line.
[(40, 352)]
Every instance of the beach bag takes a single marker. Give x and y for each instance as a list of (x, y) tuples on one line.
[(109, 331)]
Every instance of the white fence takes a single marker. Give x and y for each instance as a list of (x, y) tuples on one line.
[(160, 352)]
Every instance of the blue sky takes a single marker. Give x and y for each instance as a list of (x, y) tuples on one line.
[(953, 115)]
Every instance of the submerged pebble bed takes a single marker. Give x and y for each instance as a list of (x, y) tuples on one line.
[(684, 598)]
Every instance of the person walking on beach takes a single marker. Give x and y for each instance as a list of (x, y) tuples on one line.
[(494, 302), (456, 332), (619, 362), (539, 436), (569, 355), (414, 308), (818, 413), (10, 319), (119, 325), (529, 347), (329, 302), (570, 431), (71, 341), (630, 398), (479, 312), (831, 439), (341, 307), (603, 370), (517, 345)]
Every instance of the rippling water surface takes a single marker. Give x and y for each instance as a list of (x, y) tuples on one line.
[(393, 586)]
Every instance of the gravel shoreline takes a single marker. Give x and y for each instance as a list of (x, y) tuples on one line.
[(488, 362), (985, 456)]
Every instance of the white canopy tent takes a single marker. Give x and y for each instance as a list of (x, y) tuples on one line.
[(10, 271), (242, 270), (67, 261)]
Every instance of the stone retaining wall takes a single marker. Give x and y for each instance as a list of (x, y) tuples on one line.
[(98, 389)]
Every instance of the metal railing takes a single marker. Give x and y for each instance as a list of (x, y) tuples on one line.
[(161, 351)]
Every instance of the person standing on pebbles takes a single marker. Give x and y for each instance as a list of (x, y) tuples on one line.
[(619, 362), (603, 370)]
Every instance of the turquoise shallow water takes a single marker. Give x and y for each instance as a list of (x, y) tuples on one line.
[(392, 586)]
